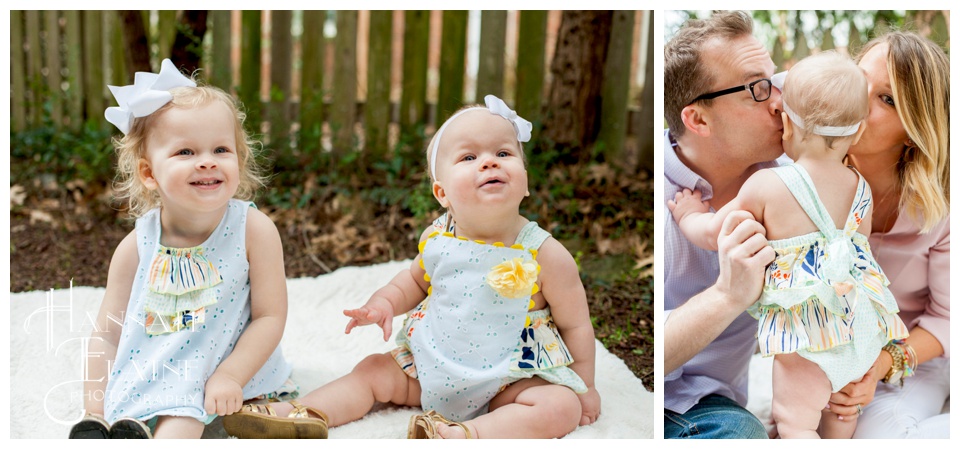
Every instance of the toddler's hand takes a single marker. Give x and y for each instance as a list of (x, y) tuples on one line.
[(590, 403), (222, 395), (685, 203), (377, 311)]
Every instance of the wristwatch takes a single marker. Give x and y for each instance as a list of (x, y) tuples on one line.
[(895, 375)]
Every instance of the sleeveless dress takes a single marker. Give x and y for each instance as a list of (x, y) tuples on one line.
[(475, 334), (824, 296), (187, 309)]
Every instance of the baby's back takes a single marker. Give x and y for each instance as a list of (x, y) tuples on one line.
[(783, 217)]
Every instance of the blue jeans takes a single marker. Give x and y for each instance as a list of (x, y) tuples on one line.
[(714, 416)]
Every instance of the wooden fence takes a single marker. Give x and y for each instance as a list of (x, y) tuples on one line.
[(338, 80)]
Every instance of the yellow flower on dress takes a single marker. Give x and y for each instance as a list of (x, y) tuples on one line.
[(514, 278)]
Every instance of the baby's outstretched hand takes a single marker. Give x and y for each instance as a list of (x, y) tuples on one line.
[(687, 202), (222, 395), (377, 311), (590, 404)]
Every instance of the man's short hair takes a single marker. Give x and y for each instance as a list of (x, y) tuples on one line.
[(684, 74)]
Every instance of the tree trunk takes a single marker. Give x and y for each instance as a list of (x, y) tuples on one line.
[(572, 115), (188, 44), (135, 40)]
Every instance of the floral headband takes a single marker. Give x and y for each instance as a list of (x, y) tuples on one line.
[(149, 92), (830, 131), (496, 106)]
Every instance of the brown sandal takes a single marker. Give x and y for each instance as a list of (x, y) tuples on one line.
[(261, 421), (424, 426)]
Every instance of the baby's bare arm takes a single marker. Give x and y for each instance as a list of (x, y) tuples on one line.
[(407, 289), (563, 291), (700, 226)]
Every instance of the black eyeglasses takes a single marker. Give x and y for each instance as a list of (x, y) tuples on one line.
[(759, 89)]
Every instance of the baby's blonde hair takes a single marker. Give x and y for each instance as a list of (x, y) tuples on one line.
[(131, 149), (827, 89), (919, 72)]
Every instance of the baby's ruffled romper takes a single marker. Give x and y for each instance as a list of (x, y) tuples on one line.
[(187, 309), (824, 296), (475, 334)]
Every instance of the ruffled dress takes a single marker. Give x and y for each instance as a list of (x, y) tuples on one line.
[(475, 334), (824, 296), (187, 309)]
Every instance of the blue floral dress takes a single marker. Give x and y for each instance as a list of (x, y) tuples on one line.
[(475, 334), (824, 296)]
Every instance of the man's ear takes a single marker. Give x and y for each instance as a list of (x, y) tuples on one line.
[(440, 194), (146, 174), (787, 126), (695, 120)]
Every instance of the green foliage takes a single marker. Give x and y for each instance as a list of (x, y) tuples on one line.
[(87, 154)]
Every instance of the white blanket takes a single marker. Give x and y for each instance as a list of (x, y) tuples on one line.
[(46, 332)]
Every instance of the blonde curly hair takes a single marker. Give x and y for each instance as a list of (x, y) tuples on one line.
[(131, 149)]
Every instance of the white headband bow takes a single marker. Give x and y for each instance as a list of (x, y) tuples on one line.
[(496, 106), (830, 131), (148, 93)]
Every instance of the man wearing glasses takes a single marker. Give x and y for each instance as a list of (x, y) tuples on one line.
[(724, 119)]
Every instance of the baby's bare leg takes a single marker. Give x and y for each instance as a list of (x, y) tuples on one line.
[(800, 392), (530, 408), (377, 378), (178, 427)]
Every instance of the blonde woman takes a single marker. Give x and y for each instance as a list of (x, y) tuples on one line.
[(904, 155)]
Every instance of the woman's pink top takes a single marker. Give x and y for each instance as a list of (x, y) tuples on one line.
[(918, 266)]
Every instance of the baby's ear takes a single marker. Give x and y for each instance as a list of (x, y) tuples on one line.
[(787, 126), (440, 194), (863, 127), (146, 175)]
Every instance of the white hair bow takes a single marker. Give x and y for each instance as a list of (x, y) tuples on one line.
[(148, 93), (495, 106), (522, 126)]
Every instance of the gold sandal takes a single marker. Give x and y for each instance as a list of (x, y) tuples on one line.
[(424, 426), (261, 421)]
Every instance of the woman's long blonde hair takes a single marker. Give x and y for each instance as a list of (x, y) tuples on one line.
[(919, 73), (131, 149)]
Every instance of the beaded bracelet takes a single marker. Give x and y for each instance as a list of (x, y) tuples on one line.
[(909, 357)]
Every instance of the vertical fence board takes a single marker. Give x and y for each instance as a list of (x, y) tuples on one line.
[(18, 117), (416, 35), (377, 107), (222, 74), (118, 57), (531, 62), (344, 110), (311, 80), (250, 68), (616, 85), (645, 119), (493, 39), (166, 31), (93, 77), (281, 81), (74, 51), (453, 53), (34, 68), (54, 65)]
